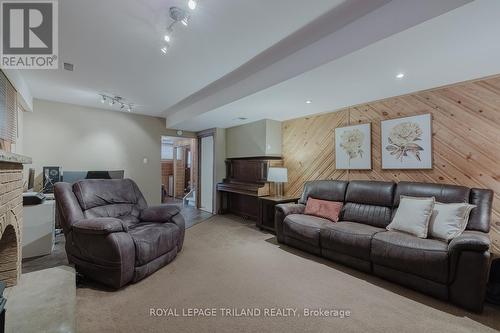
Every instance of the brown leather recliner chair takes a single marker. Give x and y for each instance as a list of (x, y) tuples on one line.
[(112, 236)]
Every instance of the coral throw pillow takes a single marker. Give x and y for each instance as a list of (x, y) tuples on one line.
[(323, 208)]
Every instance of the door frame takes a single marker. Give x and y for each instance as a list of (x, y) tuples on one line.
[(200, 135)]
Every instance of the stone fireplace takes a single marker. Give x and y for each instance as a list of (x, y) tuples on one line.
[(11, 216)]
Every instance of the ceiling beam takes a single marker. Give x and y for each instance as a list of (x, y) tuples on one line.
[(345, 29)]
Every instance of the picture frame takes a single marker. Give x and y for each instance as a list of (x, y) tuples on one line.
[(353, 147), (406, 143)]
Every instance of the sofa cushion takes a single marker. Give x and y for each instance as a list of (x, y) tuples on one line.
[(350, 238), (369, 202), (125, 212), (332, 190), (329, 210), (441, 192), (370, 192), (413, 216), (102, 192), (449, 220), (480, 216), (305, 228), (153, 240), (377, 216), (427, 258)]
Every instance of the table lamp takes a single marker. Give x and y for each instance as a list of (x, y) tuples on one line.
[(278, 176)]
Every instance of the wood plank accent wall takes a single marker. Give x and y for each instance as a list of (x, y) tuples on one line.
[(466, 137)]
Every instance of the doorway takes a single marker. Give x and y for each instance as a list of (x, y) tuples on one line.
[(179, 177), (179, 170)]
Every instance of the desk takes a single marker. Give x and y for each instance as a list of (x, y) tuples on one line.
[(38, 229)]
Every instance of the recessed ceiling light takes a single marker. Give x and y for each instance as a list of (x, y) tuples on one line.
[(400, 76), (309, 102), (192, 4)]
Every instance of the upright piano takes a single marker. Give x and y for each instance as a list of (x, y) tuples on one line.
[(246, 180)]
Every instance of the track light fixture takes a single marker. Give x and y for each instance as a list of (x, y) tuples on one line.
[(178, 15), (117, 100)]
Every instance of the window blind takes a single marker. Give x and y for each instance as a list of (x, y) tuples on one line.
[(8, 110)]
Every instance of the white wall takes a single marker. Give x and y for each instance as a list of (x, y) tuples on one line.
[(273, 138), (81, 138), (220, 161), (246, 140), (207, 173), (260, 138)]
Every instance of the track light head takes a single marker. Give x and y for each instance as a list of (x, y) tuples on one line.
[(112, 100), (164, 50), (167, 37), (192, 4)]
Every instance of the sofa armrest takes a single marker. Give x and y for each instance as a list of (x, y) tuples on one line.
[(470, 241), (291, 208), (99, 226), (469, 266), (281, 212), (159, 214)]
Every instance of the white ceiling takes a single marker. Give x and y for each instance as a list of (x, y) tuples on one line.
[(115, 47), (264, 58), (457, 46)]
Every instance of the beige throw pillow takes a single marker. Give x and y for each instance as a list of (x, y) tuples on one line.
[(413, 216), (449, 220)]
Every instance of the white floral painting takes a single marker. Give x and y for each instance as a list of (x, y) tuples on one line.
[(353, 147), (407, 143)]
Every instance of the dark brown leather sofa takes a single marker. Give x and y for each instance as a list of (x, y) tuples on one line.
[(112, 236), (456, 271)]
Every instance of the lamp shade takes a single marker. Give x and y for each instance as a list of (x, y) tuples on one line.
[(277, 175)]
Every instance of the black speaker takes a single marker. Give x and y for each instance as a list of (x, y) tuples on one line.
[(51, 175)]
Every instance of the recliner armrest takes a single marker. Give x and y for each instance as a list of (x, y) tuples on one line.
[(99, 226), (470, 241), (159, 214)]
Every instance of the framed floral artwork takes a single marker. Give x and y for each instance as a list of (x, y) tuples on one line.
[(353, 147), (407, 142)]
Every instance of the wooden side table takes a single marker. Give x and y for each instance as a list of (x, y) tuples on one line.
[(265, 218)]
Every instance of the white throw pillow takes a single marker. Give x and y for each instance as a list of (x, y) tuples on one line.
[(413, 216), (449, 220)]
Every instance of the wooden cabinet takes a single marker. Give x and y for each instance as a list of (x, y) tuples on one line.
[(265, 218)]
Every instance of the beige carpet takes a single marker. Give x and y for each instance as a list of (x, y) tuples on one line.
[(227, 263)]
